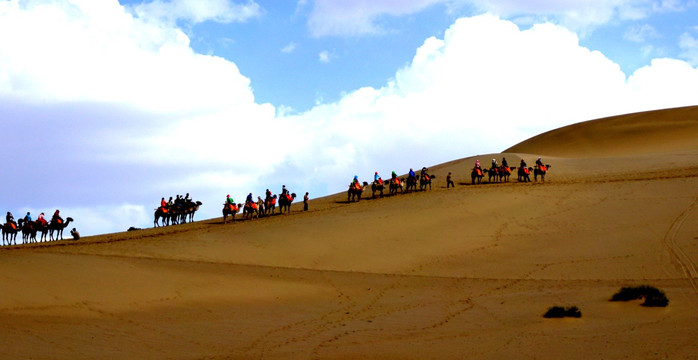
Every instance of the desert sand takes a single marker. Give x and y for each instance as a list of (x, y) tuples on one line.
[(460, 273)]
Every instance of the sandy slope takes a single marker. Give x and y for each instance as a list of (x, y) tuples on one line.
[(446, 273)]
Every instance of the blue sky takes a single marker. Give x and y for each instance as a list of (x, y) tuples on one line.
[(112, 105)]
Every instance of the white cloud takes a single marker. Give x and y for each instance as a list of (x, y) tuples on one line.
[(324, 56), (350, 18), (640, 33), (224, 11), (689, 48), (289, 48)]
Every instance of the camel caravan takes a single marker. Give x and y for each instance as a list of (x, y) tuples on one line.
[(47, 230), (261, 207), (496, 174), (178, 211)]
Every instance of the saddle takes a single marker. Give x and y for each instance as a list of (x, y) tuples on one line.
[(426, 177), (526, 171), (542, 168), (164, 209), (356, 186), (233, 207), (478, 171)]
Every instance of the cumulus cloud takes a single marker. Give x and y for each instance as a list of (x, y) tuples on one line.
[(224, 11)]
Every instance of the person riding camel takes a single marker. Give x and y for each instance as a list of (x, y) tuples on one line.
[(57, 217), (163, 203), (424, 171), (249, 198), (494, 164), (504, 162), (41, 219), (170, 203), (229, 200), (267, 194), (284, 191), (10, 219), (28, 217), (393, 175), (523, 164), (477, 167), (411, 174), (186, 198), (539, 162), (377, 179)]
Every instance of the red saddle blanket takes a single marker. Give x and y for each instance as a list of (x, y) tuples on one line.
[(542, 168)]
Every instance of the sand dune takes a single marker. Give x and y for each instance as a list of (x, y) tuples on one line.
[(447, 273)]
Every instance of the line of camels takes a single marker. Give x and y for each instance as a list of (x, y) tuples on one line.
[(496, 174), (260, 208), (176, 214), (29, 229)]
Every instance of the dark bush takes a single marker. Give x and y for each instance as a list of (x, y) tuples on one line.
[(652, 295), (560, 312)]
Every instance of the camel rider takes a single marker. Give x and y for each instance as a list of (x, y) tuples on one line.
[(41, 219), (394, 175), (268, 194), (539, 162), (411, 174), (504, 162), (186, 198), (170, 203), (477, 164), (229, 200), (10, 219), (249, 198), (163, 203), (376, 177), (284, 191), (57, 217), (424, 171), (494, 163), (28, 217), (523, 164)]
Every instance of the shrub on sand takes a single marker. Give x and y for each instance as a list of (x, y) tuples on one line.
[(560, 312), (652, 295)]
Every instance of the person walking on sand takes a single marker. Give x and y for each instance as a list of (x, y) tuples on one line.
[(449, 181), (305, 202)]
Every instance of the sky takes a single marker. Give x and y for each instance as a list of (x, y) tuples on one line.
[(108, 106)]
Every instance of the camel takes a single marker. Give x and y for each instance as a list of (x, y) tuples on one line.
[(188, 210), (163, 213), (58, 226), (9, 233), (493, 172), (28, 231), (476, 175), (285, 202), (523, 174), (395, 184), (504, 172), (270, 204), (425, 180), (250, 211), (540, 170), (230, 209), (354, 192), (411, 183), (376, 186)]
